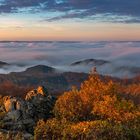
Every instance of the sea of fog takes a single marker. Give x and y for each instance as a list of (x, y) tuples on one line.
[(21, 55)]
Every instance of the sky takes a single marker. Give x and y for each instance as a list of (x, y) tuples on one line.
[(68, 20)]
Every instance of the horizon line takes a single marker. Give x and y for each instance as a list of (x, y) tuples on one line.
[(6, 41)]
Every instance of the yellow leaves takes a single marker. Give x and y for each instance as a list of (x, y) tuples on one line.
[(111, 108), (96, 111), (87, 130), (132, 91), (95, 99), (70, 106)]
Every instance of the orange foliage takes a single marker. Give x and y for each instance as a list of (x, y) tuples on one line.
[(87, 130), (70, 106), (132, 92), (97, 111), (96, 99), (112, 109)]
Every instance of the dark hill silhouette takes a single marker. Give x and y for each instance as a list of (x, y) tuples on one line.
[(3, 64), (93, 62), (56, 82), (46, 76), (40, 69)]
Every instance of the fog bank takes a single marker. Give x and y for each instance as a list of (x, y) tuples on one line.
[(60, 55)]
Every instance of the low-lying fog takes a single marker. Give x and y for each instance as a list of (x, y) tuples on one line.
[(124, 57)]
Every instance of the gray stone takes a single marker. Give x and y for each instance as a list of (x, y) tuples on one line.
[(22, 114)]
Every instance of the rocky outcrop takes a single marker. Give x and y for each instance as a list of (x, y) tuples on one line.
[(41, 91), (13, 103), (22, 114)]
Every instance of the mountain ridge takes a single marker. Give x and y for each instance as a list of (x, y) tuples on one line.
[(40, 69), (2, 64), (94, 62)]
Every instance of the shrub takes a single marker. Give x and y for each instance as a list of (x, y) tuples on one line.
[(96, 111), (50, 130), (87, 130), (95, 100), (12, 136), (114, 109), (70, 106)]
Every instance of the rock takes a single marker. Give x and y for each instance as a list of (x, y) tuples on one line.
[(9, 103), (40, 91), (13, 103), (22, 114), (28, 136), (42, 102), (14, 115)]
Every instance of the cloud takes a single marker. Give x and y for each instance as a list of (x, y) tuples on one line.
[(108, 10), (61, 54)]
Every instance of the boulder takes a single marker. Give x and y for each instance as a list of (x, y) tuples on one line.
[(22, 114), (41, 91), (13, 103), (14, 115), (41, 101)]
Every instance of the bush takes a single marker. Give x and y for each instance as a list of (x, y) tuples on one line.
[(50, 130), (12, 136), (95, 100), (70, 106), (96, 111), (114, 109), (87, 130)]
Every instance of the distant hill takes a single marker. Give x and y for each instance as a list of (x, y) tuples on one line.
[(49, 77), (3, 64), (46, 76), (40, 69), (93, 62), (109, 67)]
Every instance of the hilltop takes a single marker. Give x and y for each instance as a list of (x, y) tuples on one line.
[(99, 109), (18, 83), (93, 62), (3, 64)]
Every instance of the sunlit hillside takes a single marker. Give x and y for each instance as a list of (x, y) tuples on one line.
[(101, 109), (96, 111)]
